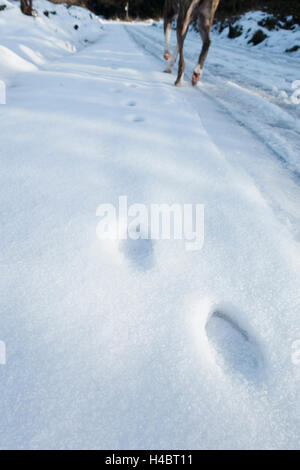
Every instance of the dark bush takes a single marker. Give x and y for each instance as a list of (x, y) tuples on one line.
[(277, 8), (235, 31), (293, 49), (258, 37), (271, 22), (288, 23), (223, 25)]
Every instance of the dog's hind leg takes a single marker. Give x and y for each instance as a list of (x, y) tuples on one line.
[(167, 29), (173, 60), (204, 29)]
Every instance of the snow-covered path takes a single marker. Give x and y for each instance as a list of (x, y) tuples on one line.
[(110, 346), (253, 86)]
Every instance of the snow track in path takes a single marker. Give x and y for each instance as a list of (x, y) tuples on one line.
[(236, 350), (240, 82), (109, 344), (246, 99)]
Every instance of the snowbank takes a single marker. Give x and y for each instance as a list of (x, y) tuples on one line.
[(27, 43), (278, 37)]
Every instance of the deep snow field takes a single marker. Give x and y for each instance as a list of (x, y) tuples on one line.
[(144, 345), (27, 44)]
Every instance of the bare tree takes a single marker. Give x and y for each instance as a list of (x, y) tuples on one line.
[(127, 11), (26, 7), (121, 7)]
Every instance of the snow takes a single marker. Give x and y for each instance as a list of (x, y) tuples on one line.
[(259, 97), (278, 40), (30, 42), (148, 346)]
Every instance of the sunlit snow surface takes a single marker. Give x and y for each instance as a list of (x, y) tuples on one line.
[(123, 346)]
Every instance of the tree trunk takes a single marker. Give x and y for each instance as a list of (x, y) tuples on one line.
[(26, 7), (127, 11)]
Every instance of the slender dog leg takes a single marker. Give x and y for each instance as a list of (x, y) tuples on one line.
[(204, 28), (181, 66), (186, 12), (173, 60), (182, 29), (168, 29)]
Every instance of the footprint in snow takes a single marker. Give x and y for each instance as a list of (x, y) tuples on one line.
[(236, 350), (138, 251), (131, 104), (134, 118), (138, 119)]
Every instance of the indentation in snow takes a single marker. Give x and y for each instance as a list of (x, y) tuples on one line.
[(236, 350), (139, 252), (131, 104), (134, 118), (138, 119)]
